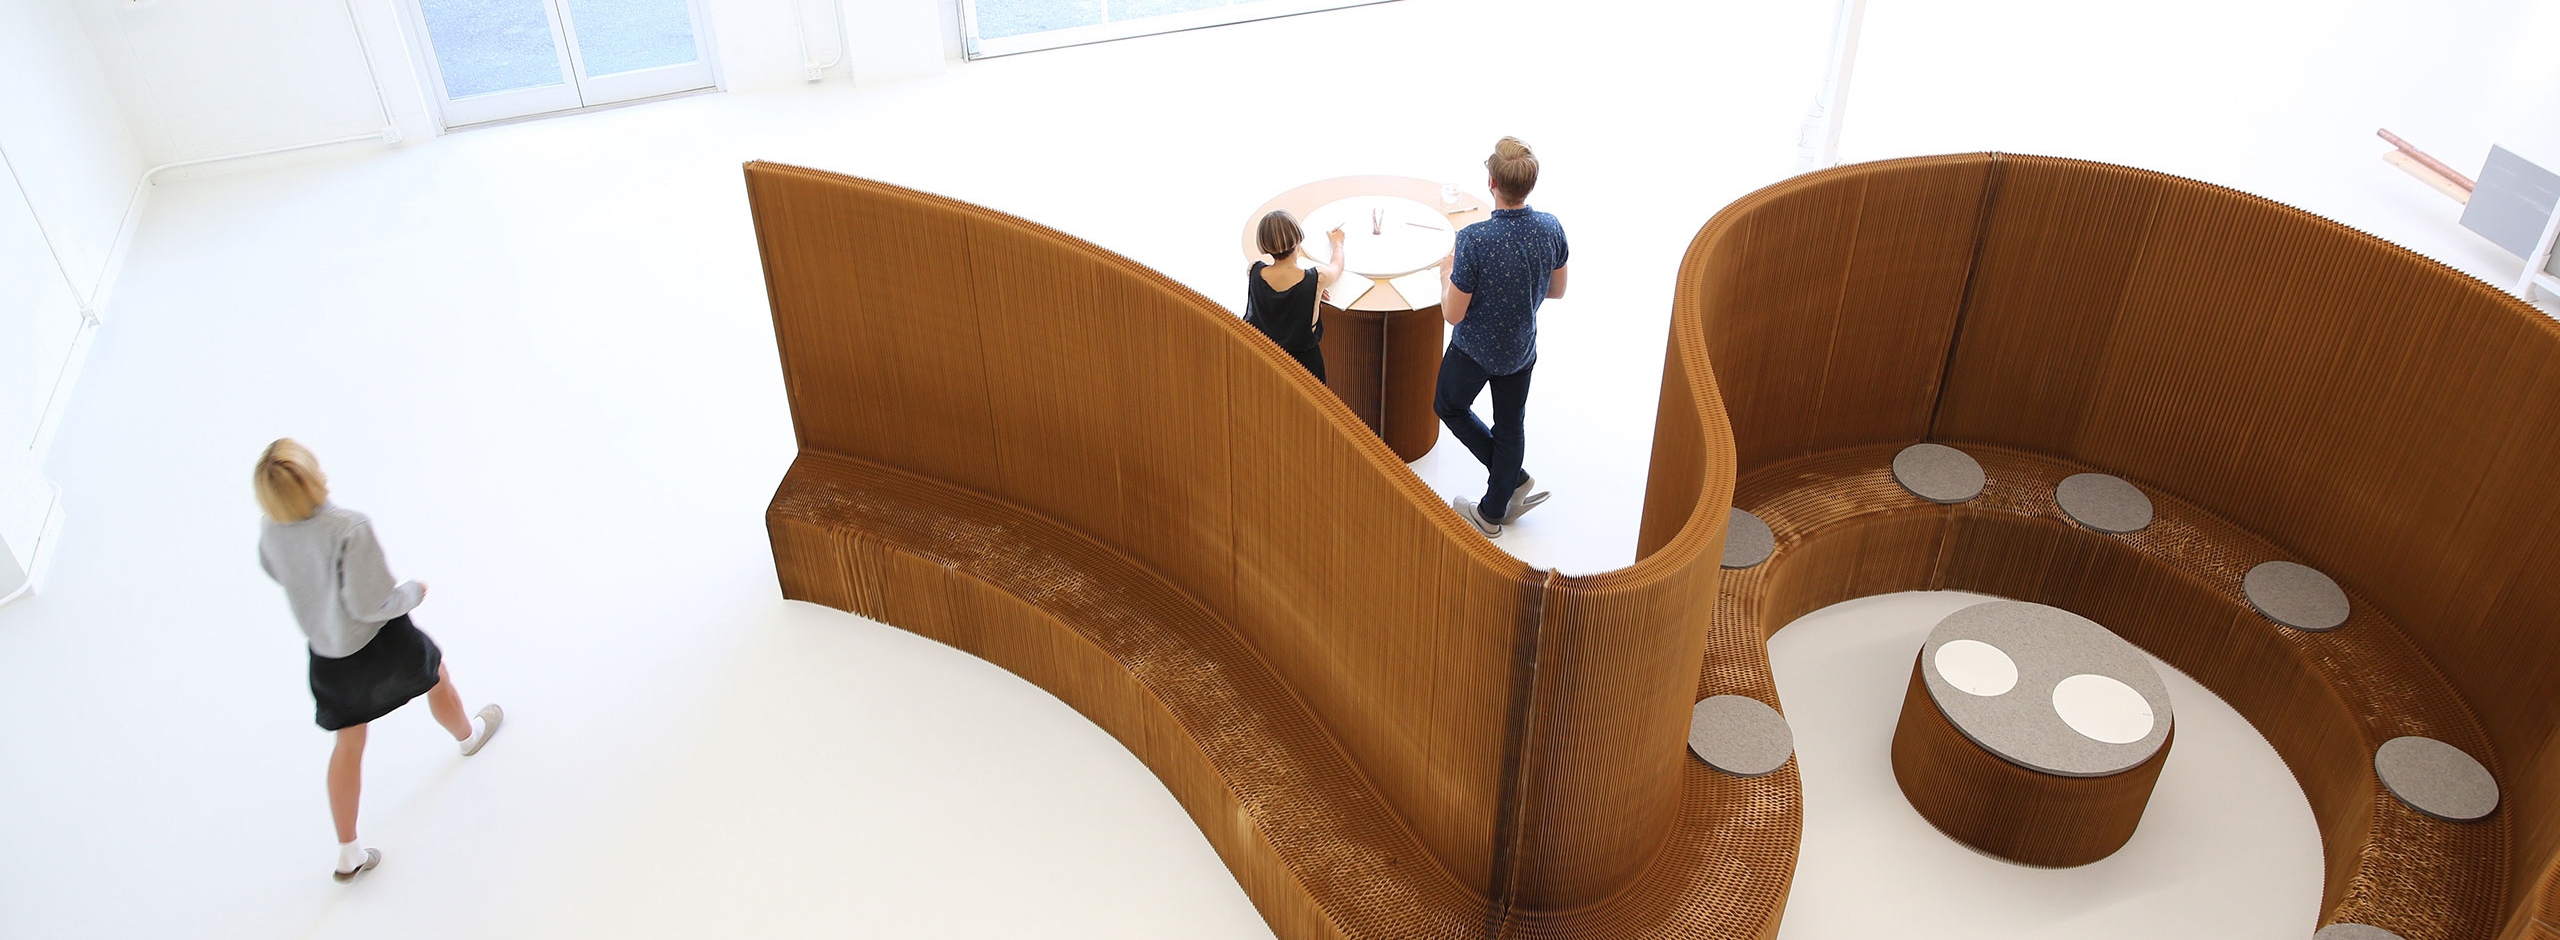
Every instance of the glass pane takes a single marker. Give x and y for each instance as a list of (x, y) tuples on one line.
[(623, 35), (1136, 9), (997, 19), (491, 45)]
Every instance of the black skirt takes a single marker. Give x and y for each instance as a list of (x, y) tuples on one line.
[(398, 665), (1311, 357)]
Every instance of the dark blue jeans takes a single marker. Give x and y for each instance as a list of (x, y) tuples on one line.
[(1499, 447)]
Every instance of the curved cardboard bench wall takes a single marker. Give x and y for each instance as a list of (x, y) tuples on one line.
[(2282, 387), (996, 453), (1061, 461)]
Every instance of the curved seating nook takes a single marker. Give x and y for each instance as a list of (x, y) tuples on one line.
[(1388, 728)]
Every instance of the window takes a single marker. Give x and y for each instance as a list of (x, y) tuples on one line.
[(1005, 27), (496, 59)]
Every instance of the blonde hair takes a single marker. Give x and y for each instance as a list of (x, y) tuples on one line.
[(289, 482), (1514, 168), (1279, 235)]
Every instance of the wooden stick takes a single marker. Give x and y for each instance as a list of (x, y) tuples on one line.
[(2430, 162)]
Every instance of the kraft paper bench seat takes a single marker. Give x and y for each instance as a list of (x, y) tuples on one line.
[(1846, 529), (2327, 701), (1153, 668)]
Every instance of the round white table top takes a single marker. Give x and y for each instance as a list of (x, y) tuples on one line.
[(1383, 236), (1373, 292)]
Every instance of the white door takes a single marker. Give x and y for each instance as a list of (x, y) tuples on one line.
[(496, 59)]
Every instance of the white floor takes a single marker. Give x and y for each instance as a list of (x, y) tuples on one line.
[(538, 355), (2227, 846)]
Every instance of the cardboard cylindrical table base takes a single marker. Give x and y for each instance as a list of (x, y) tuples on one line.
[(2025, 816), (1385, 365)]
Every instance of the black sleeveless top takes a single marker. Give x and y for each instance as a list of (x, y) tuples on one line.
[(1287, 316)]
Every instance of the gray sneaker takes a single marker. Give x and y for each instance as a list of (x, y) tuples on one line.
[(490, 717), (1522, 500), (1467, 510), (372, 857)]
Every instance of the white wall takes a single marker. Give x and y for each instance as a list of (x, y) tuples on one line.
[(2530, 90), (895, 39), (63, 131), (72, 168), (200, 79), (885, 40)]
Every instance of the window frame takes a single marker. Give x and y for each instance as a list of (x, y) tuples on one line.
[(569, 96), (1241, 11)]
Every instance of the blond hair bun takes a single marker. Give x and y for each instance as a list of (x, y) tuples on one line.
[(1514, 168)]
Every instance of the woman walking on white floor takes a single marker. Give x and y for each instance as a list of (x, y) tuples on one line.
[(367, 658)]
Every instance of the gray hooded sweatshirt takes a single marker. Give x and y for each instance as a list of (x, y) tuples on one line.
[(333, 573)]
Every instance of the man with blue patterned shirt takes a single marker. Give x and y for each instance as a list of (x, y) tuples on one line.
[(1500, 271)]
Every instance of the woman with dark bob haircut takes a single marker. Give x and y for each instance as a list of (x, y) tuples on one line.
[(1280, 295)]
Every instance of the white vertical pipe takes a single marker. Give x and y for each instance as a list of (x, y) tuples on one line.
[(811, 69), (1818, 143)]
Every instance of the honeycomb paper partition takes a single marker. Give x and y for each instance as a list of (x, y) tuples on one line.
[(1058, 460)]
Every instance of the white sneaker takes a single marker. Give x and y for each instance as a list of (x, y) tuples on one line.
[(1522, 500), (490, 717), (1467, 510)]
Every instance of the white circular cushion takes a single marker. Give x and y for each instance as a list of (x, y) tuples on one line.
[(1977, 668), (2103, 708)]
